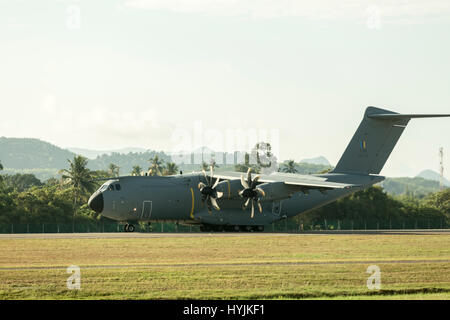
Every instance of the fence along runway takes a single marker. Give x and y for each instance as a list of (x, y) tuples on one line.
[(137, 235)]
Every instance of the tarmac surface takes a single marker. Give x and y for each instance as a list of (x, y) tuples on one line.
[(134, 235)]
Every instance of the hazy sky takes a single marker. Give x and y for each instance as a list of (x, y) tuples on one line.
[(164, 74)]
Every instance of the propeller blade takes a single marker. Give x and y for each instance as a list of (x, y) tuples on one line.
[(243, 182), (208, 202), (260, 191), (259, 206), (253, 209), (246, 203), (212, 173), (216, 183), (201, 185), (255, 181), (249, 176), (214, 203)]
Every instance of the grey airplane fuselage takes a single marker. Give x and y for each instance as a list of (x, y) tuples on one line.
[(277, 195), (177, 198)]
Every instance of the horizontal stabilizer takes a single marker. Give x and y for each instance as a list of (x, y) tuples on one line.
[(397, 116)]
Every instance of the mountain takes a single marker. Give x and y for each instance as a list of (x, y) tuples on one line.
[(27, 153), (417, 186), (432, 175), (44, 160), (319, 160)]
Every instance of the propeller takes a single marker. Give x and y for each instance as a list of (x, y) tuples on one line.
[(209, 192), (251, 192)]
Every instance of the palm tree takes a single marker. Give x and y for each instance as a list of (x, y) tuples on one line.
[(155, 166), (113, 169), (78, 175), (171, 168), (80, 178), (206, 166), (136, 171), (289, 167)]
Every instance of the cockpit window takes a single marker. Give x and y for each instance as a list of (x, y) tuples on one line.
[(109, 186)]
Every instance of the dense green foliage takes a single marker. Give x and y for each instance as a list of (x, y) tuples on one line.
[(374, 204), (49, 204), (21, 182), (24, 199)]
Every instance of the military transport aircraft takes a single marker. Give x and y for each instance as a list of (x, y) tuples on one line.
[(235, 197)]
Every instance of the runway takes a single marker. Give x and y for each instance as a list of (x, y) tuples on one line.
[(138, 235)]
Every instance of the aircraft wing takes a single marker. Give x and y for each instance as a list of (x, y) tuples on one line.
[(276, 186), (305, 181)]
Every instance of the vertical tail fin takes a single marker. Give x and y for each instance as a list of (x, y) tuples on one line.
[(374, 140)]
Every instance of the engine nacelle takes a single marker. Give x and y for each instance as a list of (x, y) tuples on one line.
[(277, 191), (230, 188)]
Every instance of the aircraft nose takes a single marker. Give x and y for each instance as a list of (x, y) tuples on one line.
[(96, 202)]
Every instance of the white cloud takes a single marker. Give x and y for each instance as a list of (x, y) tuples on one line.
[(315, 10)]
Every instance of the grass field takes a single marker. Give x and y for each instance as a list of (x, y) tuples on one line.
[(245, 266)]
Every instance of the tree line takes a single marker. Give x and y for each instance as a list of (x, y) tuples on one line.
[(25, 199), (375, 206)]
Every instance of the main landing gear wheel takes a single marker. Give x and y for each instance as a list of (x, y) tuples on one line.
[(230, 228), (129, 228)]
